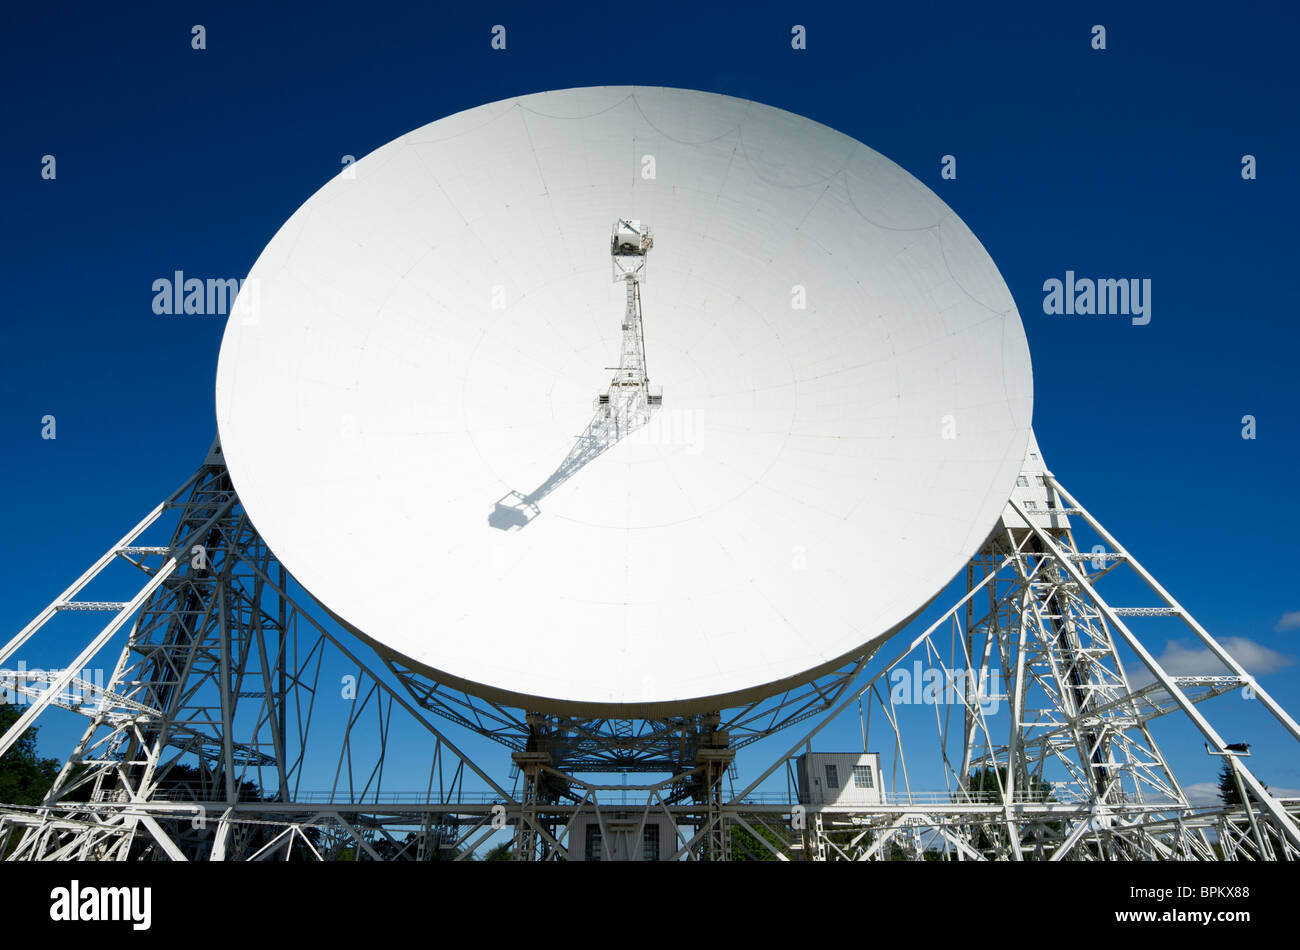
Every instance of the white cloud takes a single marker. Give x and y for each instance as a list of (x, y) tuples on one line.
[(1185, 659), (1290, 621), (1207, 793), (1202, 793), (1180, 659)]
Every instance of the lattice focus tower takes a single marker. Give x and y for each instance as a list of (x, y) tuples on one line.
[(622, 408), (628, 401)]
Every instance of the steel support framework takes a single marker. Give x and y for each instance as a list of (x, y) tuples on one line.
[(198, 743)]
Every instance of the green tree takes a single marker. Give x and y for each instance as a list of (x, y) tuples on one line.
[(182, 781), (25, 777), (983, 786), (985, 780), (1228, 793), (745, 847)]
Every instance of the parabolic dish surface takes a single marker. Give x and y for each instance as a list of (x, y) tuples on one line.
[(847, 399)]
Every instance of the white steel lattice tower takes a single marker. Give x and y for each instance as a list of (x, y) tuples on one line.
[(627, 403)]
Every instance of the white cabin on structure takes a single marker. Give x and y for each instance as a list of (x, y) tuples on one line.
[(615, 838), (1032, 493), (839, 778)]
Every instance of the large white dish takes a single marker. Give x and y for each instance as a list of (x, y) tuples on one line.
[(427, 336)]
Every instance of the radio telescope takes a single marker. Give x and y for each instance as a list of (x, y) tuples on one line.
[(849, 400), (624, 526)]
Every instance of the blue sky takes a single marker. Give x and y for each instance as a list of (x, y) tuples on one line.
[(1117, 163)]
